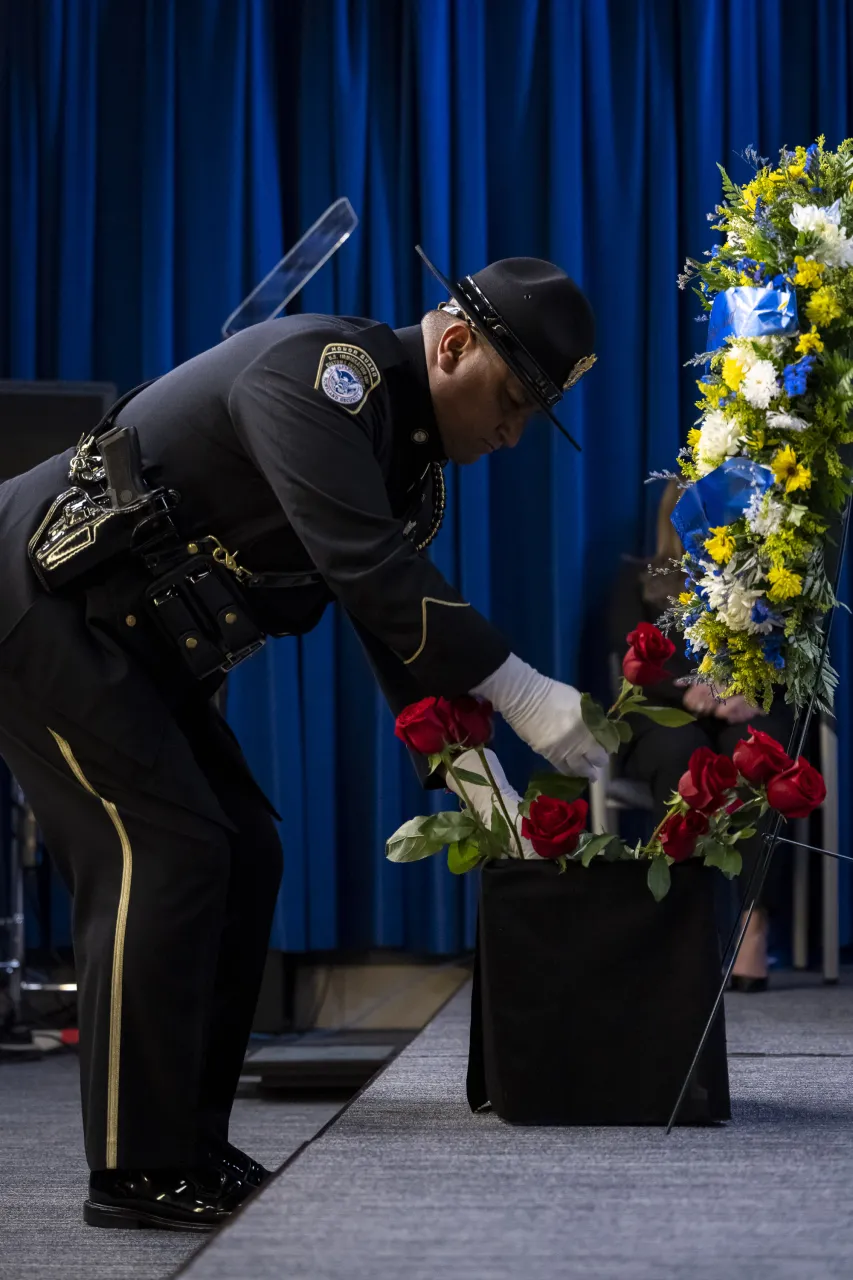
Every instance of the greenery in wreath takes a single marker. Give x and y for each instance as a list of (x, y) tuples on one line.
[(774, 405)]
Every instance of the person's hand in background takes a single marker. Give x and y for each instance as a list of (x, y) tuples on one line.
[(700, 701), (737, 710)]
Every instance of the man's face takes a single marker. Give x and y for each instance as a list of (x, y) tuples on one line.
[(479, 404)]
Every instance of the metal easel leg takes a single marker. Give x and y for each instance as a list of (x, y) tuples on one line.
[(831, 837)]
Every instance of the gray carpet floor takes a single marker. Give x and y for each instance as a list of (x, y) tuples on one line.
[(408, 1183), (43, 1177)]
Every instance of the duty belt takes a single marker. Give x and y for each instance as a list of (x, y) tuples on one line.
[(199, 594)]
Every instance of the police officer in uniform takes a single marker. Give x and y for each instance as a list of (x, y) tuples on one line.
[(297, 463)]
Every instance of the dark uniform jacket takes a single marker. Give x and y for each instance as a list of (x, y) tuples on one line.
[(298, 469)]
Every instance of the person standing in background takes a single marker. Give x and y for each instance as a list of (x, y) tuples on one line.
[(658, 756)]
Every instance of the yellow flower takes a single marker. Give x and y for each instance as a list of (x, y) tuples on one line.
[(789, 472), (823, 306), (684, 597), (785, 584), (713, 393), (693, 437), (808, 274), (810, 342), (706, 666), (732, 372), (750, 194), (795, 171), (721, 547)]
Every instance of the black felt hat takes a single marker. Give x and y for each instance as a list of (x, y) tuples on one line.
[(536, 318)]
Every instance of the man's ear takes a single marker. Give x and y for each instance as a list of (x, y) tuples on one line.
[(457, 341)]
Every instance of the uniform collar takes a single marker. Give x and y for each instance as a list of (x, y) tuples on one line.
[(421, 417)]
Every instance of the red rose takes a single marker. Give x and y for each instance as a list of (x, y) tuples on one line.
[(422, 726), (707, 779), (679, 833), (470, 720), (759, 757), (644, 661), (432, 724), (797, 791), (554, 826)]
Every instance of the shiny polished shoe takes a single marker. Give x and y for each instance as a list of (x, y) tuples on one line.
[(170, 1199), (237, 1164)]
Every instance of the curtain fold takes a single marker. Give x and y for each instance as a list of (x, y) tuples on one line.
[(157, 157)]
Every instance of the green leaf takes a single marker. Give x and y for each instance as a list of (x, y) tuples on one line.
[(434, 762), (463, 857), (467, 776), (723, 856), (658, 878), (745, 815), (603, 730), (450, 824), (672, 717), (624, 730), (557, 786), (616, 851), (746, 834), (421, 837), (410, 849), (589, 846)]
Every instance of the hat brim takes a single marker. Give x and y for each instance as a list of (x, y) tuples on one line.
[(506, 356)]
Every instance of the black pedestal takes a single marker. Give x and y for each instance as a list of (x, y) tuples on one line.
[(589, 997)]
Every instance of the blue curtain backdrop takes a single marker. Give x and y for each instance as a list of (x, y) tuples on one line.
[(156, 157)]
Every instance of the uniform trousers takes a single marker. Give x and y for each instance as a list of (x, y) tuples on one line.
[(172, 910)]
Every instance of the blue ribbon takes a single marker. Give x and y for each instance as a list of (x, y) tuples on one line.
[(749, 311), (719, 498)]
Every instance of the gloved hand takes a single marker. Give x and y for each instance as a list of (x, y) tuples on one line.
[(546, 715), (482, 797)]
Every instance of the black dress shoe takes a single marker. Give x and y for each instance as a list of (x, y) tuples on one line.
[(749, 986), (237, 1164), (171, 1199)]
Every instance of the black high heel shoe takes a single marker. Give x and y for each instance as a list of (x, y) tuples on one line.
[(748, 986)]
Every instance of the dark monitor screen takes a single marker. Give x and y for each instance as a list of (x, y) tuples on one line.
[(40, 419)]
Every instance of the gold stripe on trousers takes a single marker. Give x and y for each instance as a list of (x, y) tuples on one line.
[(118, 952)]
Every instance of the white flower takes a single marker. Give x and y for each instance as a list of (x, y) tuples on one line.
[(718, 440), (737, 611), (835, 248), (786, 422), (745, 354), (812, 217), (716, 586), (759, 385), (765, 515), (696, 640)]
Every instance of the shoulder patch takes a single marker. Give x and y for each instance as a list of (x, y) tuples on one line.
[(347, 375)]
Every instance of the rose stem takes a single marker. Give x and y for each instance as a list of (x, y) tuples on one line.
[(448, 764), (481, 753)]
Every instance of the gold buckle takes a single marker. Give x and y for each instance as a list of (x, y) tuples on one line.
[(221, 555)]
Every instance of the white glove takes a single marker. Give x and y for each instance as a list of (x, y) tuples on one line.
[(482, 797), (546, 715)]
